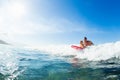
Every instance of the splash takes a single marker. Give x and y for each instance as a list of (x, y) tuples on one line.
[(101, 52), (8, 61), (94, 53)]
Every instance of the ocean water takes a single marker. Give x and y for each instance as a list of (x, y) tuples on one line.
[(98, 62)]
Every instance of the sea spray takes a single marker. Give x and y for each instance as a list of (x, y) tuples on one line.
[(101, 52), (49, 62), (8, 61), (94, 53)]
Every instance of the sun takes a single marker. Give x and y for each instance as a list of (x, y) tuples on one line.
[(16, 9)]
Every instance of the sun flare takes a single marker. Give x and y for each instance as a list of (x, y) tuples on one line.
[(16, 9)]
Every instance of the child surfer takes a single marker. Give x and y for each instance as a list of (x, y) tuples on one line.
[(82, 45)]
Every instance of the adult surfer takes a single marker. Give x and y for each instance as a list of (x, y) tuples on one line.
[(87, 42)]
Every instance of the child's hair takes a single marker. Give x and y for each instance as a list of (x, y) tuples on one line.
[(81, 41)]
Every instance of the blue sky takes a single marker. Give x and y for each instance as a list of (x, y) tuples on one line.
[(38, 22)]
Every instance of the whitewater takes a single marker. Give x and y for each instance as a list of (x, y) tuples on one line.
[(94, 53), (97, 62)]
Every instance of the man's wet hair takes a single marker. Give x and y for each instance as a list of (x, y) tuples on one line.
[(85, 37)]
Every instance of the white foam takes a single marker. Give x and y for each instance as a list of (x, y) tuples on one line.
[(57, 49), (101, 52), (96, 52), (8, 60)]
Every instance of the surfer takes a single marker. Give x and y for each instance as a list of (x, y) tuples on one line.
[(82, 44), (87, 42)]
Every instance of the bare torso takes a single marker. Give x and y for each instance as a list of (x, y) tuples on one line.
[(88, 43)]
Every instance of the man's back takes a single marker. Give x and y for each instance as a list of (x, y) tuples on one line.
[(87, 42)]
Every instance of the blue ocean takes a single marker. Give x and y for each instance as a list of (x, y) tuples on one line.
[(98, 62)]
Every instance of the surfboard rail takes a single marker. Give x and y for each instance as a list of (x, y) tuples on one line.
[(76, 47)]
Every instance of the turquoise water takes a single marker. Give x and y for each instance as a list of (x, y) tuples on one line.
[(28, 64)]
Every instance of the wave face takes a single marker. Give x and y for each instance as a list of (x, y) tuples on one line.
[(93, 53), (101, 52), (61, 62)]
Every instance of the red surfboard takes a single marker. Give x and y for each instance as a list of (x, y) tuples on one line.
[(76, 47)]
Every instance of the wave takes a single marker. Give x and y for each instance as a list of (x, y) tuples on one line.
[(12, 58), (101, 52), (94, 53), (8, 61)]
